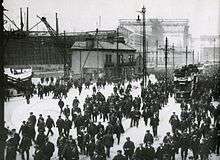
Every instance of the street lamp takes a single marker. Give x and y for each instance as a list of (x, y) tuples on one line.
[(139, 60), (143, 11)]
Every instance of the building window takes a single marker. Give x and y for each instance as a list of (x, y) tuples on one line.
[(121, 59), (108, 58)]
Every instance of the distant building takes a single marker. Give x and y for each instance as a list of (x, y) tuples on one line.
[(91, 58), (208, 54), (209, 48), (155, 60)]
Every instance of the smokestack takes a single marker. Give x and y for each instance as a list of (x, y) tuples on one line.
[(21, 20), (57, 26), (27, 23)]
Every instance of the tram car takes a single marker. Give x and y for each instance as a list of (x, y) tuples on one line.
[(185, 82)]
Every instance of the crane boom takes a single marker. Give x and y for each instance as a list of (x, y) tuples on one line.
[(51, 31), (60, 44)]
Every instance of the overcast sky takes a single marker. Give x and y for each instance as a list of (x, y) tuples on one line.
[(83, 15)]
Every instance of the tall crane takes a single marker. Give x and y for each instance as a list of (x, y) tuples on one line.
[(60, 45)]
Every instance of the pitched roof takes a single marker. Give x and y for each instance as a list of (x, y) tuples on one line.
[(102, 46)]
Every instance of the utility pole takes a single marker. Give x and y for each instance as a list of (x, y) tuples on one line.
[(117, 54), (156, 53), (65, 66), (186, 55), (2, 81), (214, 52), (139, 62), (166, 53), (193, 54), (144, 48), (173, 57), (97, 51)]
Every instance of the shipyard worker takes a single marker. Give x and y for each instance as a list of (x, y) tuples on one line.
[(80, 88), (160, 152), (204, 150), (100, 148), (61, 140), (81, 141), (41, 139), (97, 156), (66, 111), (128, 148), (174, 121), (38, 153), (75, 102), (48, 149), (119, 156), (32, 119), (91, 148), (11, 149), (137, 116), (50, 124), (148, 138), (167, 138), (16, 137), (25, 146), (108, 141), (61, 105), (140, 152), (94, 89), (60, 125), (67, 126), (118, 130), (149, 152), (154, 122), (24, 130), (184, 145), (40, 118)]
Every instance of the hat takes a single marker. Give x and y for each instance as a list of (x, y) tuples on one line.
[(119, 151), (13, 130)]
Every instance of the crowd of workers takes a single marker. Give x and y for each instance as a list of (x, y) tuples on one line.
[(196, 129)]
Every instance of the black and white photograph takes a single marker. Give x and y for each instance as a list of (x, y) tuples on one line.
[(109, 79)]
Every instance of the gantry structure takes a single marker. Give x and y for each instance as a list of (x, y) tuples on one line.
[(177, 31)]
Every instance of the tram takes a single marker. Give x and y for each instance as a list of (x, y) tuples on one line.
[(185, 82)]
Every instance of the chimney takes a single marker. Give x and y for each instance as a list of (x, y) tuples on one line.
[(57, 26), (21, 20)]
